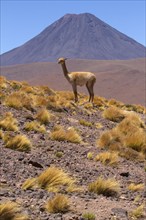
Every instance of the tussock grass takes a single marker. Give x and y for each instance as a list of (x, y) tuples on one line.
[(59, 204), (44, 116), (1, 134), (107, 158), (114, 114), (90, 155), (88, 216), (34, 126), (18, 100), (85, 123), (53, 178), (113, 102), (128, 138), (106, 187), (19, 142), (100, 101), (136, 187), (8, 122), (3, 82), (137, 212), (29, 183), (11, 211), (70, 135)]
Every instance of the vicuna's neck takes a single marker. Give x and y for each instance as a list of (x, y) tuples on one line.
[(65, 71)]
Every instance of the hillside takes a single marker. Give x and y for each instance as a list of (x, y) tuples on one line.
[(61, 160), (81, 36), (123, 80)]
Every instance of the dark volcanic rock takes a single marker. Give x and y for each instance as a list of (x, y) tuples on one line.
[(82, 36)]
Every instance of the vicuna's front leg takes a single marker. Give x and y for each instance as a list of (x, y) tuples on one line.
[(75, 92)]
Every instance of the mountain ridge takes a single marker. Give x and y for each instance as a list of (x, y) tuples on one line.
[(81, 36)]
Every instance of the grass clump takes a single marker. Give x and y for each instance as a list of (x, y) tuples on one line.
[(90, 155), (59, 204), (106, 187), (18, 100), (128, 138), (107, 158), (114, 114), (88, 216), (11, 211), (85, 123), (44, 116), (137, 213), (19, 142), (53, 178), (35, 126), (29, 183), (8, 122), (136, 187), (70, 135)]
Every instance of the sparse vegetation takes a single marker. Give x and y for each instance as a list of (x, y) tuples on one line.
[(51, 122), (114, 114), (107, 158), (107, 187), (59, 204), (34, 126), (90, 155), (88, 216), (137, 212), (136, 187), (8, 122), (70, 135), (129, 133), (44, 116), (19, 142), (11, 211), (85, 123)]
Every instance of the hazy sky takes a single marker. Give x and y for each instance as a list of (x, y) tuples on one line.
[(21, 20)]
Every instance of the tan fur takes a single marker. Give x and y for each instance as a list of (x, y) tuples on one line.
[(79, 79)]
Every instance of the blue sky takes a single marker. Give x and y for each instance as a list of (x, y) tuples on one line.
[(21, 20)]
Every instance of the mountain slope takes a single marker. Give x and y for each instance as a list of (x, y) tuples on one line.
[(81, 36)]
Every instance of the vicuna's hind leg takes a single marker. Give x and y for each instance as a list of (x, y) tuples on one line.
[(88, 87)]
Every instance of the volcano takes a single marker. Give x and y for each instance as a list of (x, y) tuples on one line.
[(79, 36)]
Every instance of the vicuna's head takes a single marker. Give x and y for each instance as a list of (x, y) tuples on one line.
[(61, 60)]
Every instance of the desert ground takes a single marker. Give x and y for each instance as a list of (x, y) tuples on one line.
[(66, 161)]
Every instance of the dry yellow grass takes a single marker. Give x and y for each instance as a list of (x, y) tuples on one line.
[(8, 122), (19, 142), (70, 135), (128, 134), (11, 211), (137, 212), (29, 183), (1, 134), (136, 187), (106, 187), (108, 158), (19, 100), (34, 126), (53, 178), (90, 155), (85, 123), (44, 116), (59, 204), (114, 114)]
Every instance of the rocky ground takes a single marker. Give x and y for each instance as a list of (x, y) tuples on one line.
[(16, 167)]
